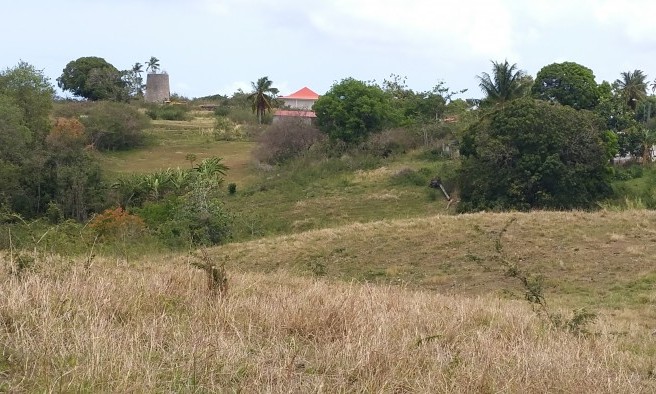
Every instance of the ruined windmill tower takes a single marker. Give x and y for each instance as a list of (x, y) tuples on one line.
[(157, 88)]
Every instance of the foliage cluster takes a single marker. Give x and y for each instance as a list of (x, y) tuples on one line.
[(567, 83), (108, 125), (93, 78), (117, 223), (42, 162), (168, 112), (285, 140), (533, 154), (352, 109), (180, 206)]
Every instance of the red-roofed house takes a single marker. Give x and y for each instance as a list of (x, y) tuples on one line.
[(303, 99), (298, 105)]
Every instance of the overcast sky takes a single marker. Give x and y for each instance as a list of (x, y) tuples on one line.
[(218, 46)]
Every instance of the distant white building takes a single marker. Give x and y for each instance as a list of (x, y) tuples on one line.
[(303, 99), (297, 105)]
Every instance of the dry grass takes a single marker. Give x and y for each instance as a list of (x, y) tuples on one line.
[(152, 327), (603, 260)]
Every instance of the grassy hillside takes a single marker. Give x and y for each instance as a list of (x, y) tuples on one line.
[(153, 326), (169, 142), (602, 260), (346, 274)]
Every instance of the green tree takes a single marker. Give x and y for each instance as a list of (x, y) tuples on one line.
[(352, 109), (134, 80), (262, 97), (108, 84), (25, 105), (506, 83), (92, 78), (567, 83), (32, 92), (633, 87), (533, 154), (152, 65), (73, 176)]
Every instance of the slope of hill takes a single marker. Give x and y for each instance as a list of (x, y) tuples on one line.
[(597, 260), (152, 326)]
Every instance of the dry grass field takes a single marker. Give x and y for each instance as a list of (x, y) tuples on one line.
[(172, 141), (425, 308), (153, 327)]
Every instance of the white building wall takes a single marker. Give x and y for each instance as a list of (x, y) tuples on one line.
[(299, 103)]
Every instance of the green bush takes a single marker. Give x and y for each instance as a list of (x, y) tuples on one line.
[(169, 112), (221, 110), (114, 126), (534, 154), (627, 173), (232, 188)]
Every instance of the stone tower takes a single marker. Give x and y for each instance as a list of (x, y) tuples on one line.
[(157, 88)]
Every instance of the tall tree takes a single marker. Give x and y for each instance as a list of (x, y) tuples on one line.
[(32, 92), (152, 65), (351, 110), (92, 78), (135, 80), (506, 83), (262, 96), (534, 154), (567, 83), (633, 87)]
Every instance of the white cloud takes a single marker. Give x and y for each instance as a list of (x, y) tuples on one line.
[(459, 29), (228, 90), (634, 17)]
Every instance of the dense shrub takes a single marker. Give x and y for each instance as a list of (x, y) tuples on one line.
[(195, 218), (286, 139), (391, 142), (112, 126), (117, 224), (222, 110), (534, 154), (227, 130), (169, 112)]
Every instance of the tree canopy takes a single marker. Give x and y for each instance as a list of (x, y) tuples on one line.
[(506, 83), (152, 65), (41, 164), (352, 109), (93, 78), (533, 154), (633, 87), (567, 83), (32, 92)]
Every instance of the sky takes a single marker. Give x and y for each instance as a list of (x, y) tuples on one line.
[(219, 46)]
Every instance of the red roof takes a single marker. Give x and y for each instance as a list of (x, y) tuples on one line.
[(303, 94), (301, 114)]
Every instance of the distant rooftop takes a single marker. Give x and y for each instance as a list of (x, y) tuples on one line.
[(303, 94)]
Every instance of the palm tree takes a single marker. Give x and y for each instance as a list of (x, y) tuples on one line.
[(633, 87), (137, 80), (506, 83), (262, 96), (152, 64)]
